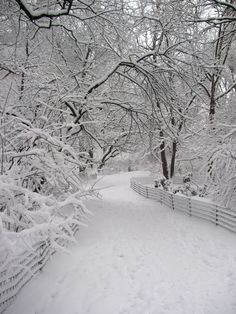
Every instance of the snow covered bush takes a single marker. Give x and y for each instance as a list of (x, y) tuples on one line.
[(189, 187), (23, 209), (28, 218), (32, 227), (45, 164), (222, 173), (41, 191), (162, 183), (187, 178)]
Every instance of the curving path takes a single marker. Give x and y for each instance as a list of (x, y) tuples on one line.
[(137, 257)]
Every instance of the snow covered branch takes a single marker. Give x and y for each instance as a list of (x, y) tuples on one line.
[(47, 13)]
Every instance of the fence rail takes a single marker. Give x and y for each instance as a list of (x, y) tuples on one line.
[(17, 271), (214, 213)]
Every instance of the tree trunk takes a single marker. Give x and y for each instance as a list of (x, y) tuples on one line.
[(212, 105), (163, 158), (172, 164)]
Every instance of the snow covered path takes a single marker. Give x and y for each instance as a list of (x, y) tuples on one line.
[(137, 257)]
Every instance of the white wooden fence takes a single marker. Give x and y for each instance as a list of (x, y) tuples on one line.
[(217, 214), (17, 271)]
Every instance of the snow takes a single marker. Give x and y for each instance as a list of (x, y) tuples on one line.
[(137, 257)]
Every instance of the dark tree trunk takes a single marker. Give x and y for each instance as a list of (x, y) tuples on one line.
[(212, 108), (163, 158), (172, 164)]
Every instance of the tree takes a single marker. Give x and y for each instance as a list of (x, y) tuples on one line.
[(103, 78)]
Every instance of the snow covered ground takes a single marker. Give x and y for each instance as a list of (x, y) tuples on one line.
[(137, 257)]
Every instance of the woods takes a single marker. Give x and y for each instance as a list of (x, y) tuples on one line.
[(85, 81), (142, 84)]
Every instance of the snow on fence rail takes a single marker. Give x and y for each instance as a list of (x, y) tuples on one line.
[(18, 270), (217, 214)]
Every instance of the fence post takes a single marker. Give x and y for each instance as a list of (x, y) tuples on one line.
[(161, 199), (189, 206), (216, 215), (147, 191), (173, 201)]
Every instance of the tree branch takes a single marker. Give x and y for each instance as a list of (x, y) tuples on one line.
[(34, 15)]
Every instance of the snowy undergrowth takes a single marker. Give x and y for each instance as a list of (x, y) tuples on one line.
[(188, 187), (27, 218), (41, 189)]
